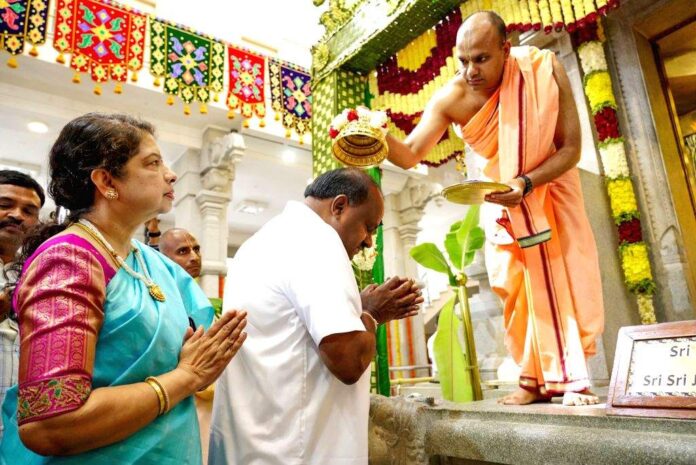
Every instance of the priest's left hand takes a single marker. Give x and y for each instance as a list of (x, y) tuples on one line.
[(511, 198)]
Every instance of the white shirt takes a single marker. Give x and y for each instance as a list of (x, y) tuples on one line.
[(277, 403)]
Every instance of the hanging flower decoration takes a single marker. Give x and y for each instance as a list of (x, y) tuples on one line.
[(606, 124), (630, 232), (613, 158), (622, 199), (633, 252), (598, 90), (592, 56), (405, 82), (636, 265)]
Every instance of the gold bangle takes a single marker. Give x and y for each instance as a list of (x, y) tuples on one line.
[(165, 394), (160, 395)]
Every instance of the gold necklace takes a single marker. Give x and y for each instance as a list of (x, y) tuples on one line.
[(152, 287)]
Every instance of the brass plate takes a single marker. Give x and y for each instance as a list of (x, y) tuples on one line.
[(472, 192)]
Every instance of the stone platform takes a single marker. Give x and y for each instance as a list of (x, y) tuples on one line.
[(404, 432)]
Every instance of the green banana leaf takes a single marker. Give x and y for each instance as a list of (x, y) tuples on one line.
[(429, 256), (455, 379), (452, 245), (470, 237)]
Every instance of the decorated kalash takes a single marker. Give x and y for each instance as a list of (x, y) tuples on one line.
[(477, 84)]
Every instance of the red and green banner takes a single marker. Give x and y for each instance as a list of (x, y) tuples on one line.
[(291, 96), (105, 39), (191, 64), (22, 21), (246, 84)]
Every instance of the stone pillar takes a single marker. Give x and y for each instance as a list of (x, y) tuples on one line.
[(188, 184), (403, 212), (204, 190)]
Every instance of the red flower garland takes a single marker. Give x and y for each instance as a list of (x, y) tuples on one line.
[(630, 231), (606, 124)]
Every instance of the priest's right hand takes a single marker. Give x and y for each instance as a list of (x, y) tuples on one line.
[(205, 354)]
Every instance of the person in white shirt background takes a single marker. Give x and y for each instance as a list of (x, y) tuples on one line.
[(21, 198), (298, 390)]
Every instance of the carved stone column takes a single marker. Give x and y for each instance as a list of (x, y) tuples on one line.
[(205, 191), (403, 212)]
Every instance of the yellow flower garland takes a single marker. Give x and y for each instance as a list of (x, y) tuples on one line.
[(545, 13), (567, 8), (635, 264), (412, 103), (578, 9), (556, 11), (533, 7), (646, 309), (622, 198), (589, 7), (598, 90), (414, 54), (634, 256)]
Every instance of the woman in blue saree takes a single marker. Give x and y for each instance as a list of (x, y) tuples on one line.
[(108, 359)]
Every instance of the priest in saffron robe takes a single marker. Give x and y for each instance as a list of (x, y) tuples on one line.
[(514, 107)]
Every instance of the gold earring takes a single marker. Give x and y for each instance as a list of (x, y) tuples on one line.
[(111, 194)]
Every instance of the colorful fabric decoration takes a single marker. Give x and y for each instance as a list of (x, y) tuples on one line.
[(105, 39), (22, 21), (633, 252), (246, 84), (291, 94), (191, 64)]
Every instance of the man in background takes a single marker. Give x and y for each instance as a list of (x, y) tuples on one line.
[(21, 198), (179, 245)]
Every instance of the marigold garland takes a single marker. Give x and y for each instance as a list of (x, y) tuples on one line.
[(534, 14), (598, 90), (633, 252), (621, 197), (636, 266)]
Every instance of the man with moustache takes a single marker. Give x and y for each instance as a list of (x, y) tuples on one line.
[(21, 198), (515, 109)]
